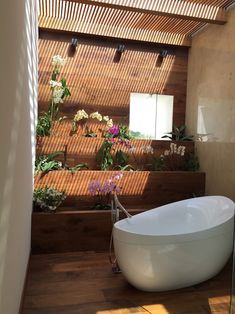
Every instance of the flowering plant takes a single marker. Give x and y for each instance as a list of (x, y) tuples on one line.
[(47, 199), (174, 158), (110, 156), (141, 158), (118, 131), (59, 88), (81, 117), (103, 191)]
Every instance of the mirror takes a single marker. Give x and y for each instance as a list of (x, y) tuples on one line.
[(151, 115)]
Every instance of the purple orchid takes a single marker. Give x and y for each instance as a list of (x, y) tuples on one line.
[(114, 130), (94, 187)]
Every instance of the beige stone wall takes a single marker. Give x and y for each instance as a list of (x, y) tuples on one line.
[(210, 110)]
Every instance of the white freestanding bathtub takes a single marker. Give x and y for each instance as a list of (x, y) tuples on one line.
[(176, 245)]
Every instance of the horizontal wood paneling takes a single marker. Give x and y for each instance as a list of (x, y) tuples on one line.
[(141, 187), (71, 231), (97, 83)]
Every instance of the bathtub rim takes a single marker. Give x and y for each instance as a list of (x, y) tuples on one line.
[(150, 239)]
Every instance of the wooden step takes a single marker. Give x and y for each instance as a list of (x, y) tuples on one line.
[(139, 187), (83, 150)]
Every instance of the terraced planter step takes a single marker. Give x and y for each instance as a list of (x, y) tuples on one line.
[(84, 150), (140, 187), (71, 231)]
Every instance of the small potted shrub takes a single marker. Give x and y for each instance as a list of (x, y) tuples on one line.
[(47, 199)]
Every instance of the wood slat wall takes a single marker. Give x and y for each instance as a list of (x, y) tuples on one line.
[(98, 83)]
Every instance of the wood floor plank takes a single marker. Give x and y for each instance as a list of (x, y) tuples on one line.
[(83, 283)]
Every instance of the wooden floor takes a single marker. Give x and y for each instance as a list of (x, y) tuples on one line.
[(83, 283)]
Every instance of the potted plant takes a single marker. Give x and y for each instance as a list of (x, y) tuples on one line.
[(47, 199)]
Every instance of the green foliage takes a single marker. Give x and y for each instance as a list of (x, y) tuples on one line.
[(121, 158), (119, 131), (121, 161), (124, 132), (178, 134), (44, 125), (104, 156), (137, 135), (66, 92), (157, 163), (89, 133), (47, 163), (191, 162), (77, 168), (99, 206), (47, 199)]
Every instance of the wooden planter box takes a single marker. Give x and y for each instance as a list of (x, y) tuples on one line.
[(90, 230), (84, 150), (71, 231), (141, 187)]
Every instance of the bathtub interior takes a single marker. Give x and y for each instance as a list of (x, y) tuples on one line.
[(188, 216)]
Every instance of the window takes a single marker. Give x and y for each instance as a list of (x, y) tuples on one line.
[(151, 115)]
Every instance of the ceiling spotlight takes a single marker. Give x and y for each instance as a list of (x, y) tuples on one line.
[(72, 47), (163, 53), (120, 49), (74, 42)]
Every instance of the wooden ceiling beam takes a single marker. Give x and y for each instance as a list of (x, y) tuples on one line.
[(125, 33), (180, 9)]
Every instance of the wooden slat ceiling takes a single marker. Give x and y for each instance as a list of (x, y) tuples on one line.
[(160, 21)]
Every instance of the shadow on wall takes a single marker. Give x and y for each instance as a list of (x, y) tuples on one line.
[(97, 83)]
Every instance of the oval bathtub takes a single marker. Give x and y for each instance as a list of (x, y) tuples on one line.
[(176, 245)]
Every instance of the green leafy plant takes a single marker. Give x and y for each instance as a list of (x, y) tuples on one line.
[(137, 135), (191, 162), (89, 132), (77, 168), (104, 156), (121, 161), (157, 163), (47, 199), (124, 132), (178, 134), (59, 90), (47, 163), (121, 158), (44, 125)]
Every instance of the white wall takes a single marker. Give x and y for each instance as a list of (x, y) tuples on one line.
[(18, 107), (210, 110)]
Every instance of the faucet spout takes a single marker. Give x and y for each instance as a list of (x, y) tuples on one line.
[(118, 205)]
